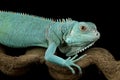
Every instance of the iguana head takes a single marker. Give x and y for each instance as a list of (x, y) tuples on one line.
[(81, 36)]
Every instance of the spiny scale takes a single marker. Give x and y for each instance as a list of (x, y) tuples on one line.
[(85, 48), (57, 20), (63, 20)]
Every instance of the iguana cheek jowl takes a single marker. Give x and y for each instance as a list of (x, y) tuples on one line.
[(76, 50), (85, 47)]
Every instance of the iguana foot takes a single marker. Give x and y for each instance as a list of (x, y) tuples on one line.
[(70, 61)]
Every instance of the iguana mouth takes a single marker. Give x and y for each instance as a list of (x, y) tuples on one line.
[(81, 50)]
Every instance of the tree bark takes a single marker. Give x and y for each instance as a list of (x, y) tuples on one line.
[(19, 65)]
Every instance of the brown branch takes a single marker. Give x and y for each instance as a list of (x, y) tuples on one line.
[(19, 65), (16, 66), (104, 61), (98, 56)]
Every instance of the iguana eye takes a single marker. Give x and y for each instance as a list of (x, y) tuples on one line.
[(83, 28)]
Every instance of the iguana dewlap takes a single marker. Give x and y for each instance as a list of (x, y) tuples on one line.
[(71, 37)]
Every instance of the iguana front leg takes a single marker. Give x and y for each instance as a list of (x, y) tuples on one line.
[(69, 62)]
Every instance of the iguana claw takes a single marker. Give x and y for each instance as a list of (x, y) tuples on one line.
[(70, 62)]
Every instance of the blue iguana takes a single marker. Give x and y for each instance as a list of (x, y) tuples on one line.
[(19, 30)]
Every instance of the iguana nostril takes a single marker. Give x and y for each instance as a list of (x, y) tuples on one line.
[(98, 34)]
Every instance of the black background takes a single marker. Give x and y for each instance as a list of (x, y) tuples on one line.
[(104, 14)]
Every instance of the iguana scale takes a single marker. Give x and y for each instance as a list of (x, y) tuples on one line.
[(69, 36)]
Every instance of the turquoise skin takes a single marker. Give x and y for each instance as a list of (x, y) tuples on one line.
[(69, 36)]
